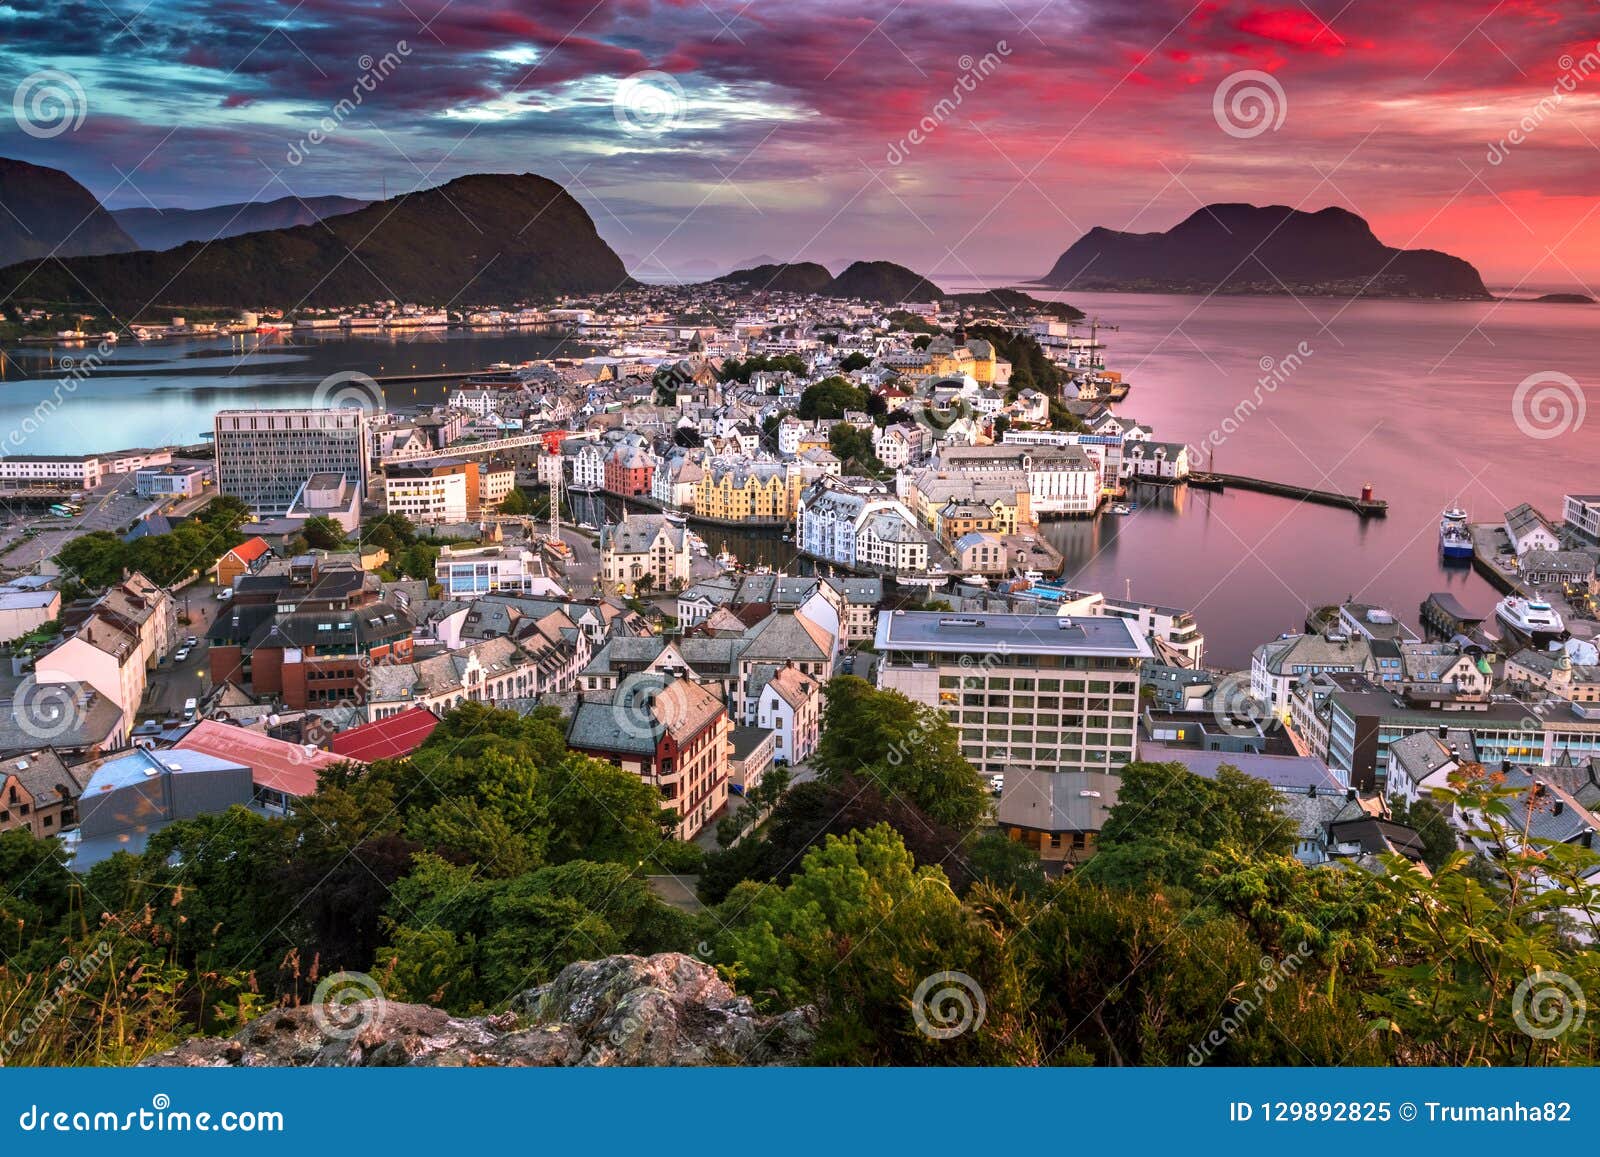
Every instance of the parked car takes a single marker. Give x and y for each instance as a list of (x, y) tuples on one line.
[(183, 653), (192, 641)]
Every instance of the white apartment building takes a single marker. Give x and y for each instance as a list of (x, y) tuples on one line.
[(1061, 479), (80, 471), (859, 526), (465, 572), (1580, 514), (789, 704), (265, 456), (424, 495)]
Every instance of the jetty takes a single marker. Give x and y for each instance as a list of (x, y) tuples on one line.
[(1366, 504)]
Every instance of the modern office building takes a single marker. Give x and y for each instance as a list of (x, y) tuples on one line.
[(438, 490), (1027, 691), (1049, 704), (265, 456)]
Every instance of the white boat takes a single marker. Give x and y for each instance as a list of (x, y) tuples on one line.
[(1455, 536), (1532, 618)]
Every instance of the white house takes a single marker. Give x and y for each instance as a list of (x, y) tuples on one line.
[(790, 706)]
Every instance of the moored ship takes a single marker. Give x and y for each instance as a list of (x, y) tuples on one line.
[(1532, 619), (1455, 537)]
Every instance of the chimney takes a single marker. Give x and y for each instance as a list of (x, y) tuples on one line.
[(1558, 808), (1350, 795), (1505, 766), (1444, 731)]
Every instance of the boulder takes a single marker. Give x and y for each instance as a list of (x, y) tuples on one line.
[(667, 1010)]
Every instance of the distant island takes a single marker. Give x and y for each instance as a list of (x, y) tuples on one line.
[(781, 277), (1271, 249), (1565, 299), (492, 236), (886, 282)]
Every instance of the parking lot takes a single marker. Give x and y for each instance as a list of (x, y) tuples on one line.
[(34, 535)]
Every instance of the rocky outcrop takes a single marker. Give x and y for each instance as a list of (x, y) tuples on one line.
[(667, 1009)]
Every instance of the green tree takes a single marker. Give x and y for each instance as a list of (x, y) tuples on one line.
[(875, 942), (515, 502), (323, 533), (908, 748), (830, 398), (1167, 819)]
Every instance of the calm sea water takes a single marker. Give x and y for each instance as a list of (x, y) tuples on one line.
[(1417, 399), (166, 392)]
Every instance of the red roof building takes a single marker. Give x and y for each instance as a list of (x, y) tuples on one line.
[(241, 560), (282, 771), (392, 738)]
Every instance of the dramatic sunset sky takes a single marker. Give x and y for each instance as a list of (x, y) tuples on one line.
[(793, 114)]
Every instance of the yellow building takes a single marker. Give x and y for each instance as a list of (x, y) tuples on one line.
[(744, 491)]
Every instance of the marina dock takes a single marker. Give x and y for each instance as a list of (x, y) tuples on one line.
[(1365, 504)]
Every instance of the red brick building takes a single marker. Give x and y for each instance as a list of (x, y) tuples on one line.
[(308, 636), (629, 471), (674, 735)]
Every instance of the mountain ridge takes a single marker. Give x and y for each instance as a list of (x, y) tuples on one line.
[(46, 211), (501, 237), (166, 228)]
